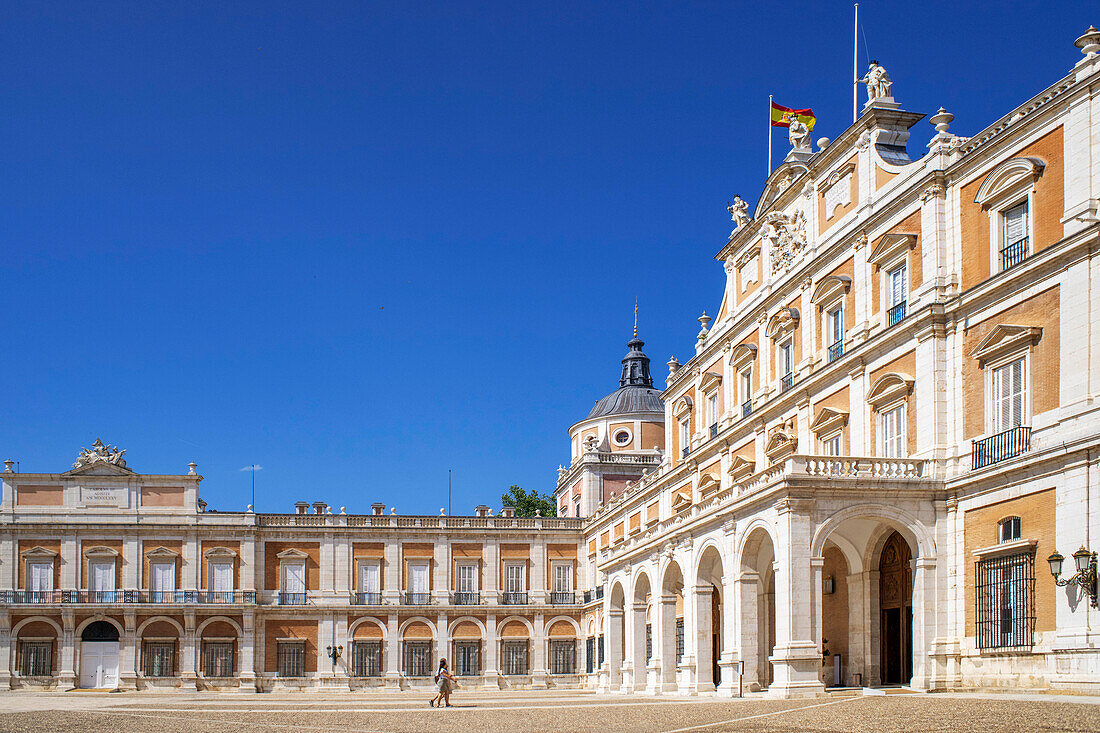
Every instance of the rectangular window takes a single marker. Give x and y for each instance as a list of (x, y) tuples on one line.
[(562, 657), (36, 658), (648, 642), (514, 655), (685, 437), (513, 578), (893, 432), (786, 357), (292, 659), (101, 575), (1009, 395), (834, 326), (162, 581), (370, 577), (600, 649), (679, 640), (221, 577), (577, 507), (1005, 589), (563, 578), (898, 285), (830, 446), (590, 654), (217, 659), (368, 659), (40, 576), (294, 577), (418, 578), (160, 659), (418, 658), (467, 660), (467, 578), (1014, 236), (1008, 530), (712, 407)]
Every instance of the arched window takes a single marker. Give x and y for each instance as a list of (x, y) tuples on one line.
[(1008, 529)]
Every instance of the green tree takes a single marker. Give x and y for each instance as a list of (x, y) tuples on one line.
[(527, 502)]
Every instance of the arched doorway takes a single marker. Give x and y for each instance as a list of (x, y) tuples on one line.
[(708, 618), (756, 604), (896, 610), (616, 636), (641, 631), (670, 618), (99, 655)]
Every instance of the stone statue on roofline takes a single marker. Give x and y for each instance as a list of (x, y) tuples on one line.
[(739, 212), (799, 134), (878, 83)]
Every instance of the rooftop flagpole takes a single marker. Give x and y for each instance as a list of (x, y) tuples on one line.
[(855, 67), (770, 100)]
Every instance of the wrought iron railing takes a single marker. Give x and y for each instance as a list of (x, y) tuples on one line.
[(788, 382), (895, 313), (103, 596), (31, 596), (599, 591), (466, 598), (562, 598), (180, 597), (746, 408), (685, 451), (1014, 253), (165, 596), (713, 430), (225, 596), (1005, 592), (1001, 447), (366, 598), (514, 599), (292, 599), (836, 351), (418, 599)]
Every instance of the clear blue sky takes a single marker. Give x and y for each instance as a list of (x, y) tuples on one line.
[(360, 243)]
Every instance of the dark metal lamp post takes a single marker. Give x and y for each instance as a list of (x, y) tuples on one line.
[(1086, 575), (334, 653)]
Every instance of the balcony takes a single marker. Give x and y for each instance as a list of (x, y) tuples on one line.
[(599, 592), (896, 313), (1013, 254), (713, 430), (563, 598), (836, 351), (746, 408), (366, 598), (165, 596), (222, 597), (30, 596), (466, 598), (511, 598), (788, 382), (103, 596), (1000, 447), (417, 599), (292, 599), (684, 452)]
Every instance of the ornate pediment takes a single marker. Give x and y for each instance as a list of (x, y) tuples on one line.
[(215, 553), (828, 420), (292, 555), (38, 552), (889, 388), (742, 355), (681, 499), (100, 551), (682, 406), (709, 381), (163, 553), (830, 287), (1007, 179), (782, 441), (1004, 339), (708, 484), (784, 320), (890, 246), (740, 468)]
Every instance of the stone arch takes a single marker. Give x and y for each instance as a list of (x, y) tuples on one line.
[(526, 624), (907, 525), (417, 619), (642, 575), (366, 620), (752, 533), (153, 619), (572, 623), (206, 622), (98, 617), (32, 619), (465, 619)]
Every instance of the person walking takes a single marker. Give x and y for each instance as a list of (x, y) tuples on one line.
[(445, 681)]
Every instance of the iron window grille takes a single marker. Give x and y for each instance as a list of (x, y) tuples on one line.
[(217, 659), (1014, 253), (562, 598), (590, 654), (684, 452), (648, 642), (1006, 601), (292, 599), (292, 659), (563, 657), (713, 429), (746, 408), (418, 658), (600, 657), (467, 598), (515, 657), (160, 660), (788, 381), (367, 598), (417, 599), (467, 658), (512, 598), (836, 351), (679, 640), (36, 658), (895, 313), (368, 659)]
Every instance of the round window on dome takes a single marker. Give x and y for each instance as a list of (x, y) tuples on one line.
[(622, 437)]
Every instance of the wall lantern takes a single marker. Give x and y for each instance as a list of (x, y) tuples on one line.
[(334, 654), (1085, 576)]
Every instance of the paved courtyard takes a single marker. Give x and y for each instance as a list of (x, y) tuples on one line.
[(522, 712)]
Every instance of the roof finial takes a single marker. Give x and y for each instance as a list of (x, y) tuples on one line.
[(635, 316)]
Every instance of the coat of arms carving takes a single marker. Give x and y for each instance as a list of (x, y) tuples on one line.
[(786, 236)]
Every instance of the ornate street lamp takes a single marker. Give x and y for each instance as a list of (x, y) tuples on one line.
[(1086, 575), (334, 653)]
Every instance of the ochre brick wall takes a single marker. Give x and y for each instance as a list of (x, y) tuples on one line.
[(1042, 310), (905, 364), (1047, 225), (272, 581), (290, 629), (1036, 513)]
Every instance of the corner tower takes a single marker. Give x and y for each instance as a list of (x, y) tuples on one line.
[(622, 438)]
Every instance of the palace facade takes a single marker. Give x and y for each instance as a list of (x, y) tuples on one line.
[(865, 475)]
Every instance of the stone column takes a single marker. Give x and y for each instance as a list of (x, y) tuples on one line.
[(391, 576), (248, 564), (192, 564), (393, 647), (441, 572), (924, 621), (857, 628), (629, 649), (729, 657), (491, 669), (247, 650), (703, 597), (70, 562), (7, 650), (748, 638), (490, 572), (817, 565), (128, 655), (539, 671), (327, 577), (664, 643), (538, 573), (637, 641), (131, 563), (443, 641), (613, 651), (189, 652), (67, 642), (797, 657)]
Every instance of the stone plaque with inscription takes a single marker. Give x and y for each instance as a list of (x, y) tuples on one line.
[(114, 496)]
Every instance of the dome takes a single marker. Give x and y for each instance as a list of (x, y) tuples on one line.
[(635, 392)]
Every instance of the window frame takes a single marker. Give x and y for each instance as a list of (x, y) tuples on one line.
[(211, 658), (471, 568), (290, 655), (522, 576), (888, 270), (212, 568), (899, 406), (784, 355), (836, 436), (287, 565), (998, 221), (151, 665), (35, 652), (995, 630), (362, 575), (363, 650), (828, 322), (555, 566), (992, 399), (40, 562)]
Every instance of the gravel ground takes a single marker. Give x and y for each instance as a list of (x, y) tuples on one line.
[(531, 712)]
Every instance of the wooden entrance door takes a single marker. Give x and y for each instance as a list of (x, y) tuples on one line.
[(896, 611)]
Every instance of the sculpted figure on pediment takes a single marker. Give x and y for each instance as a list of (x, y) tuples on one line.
[(739, 212), (100, 453)]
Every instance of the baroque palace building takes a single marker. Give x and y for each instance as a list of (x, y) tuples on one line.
[(881, 451)]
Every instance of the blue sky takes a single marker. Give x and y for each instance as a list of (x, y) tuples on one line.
[(361, 243)]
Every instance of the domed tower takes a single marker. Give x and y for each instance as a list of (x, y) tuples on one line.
[(622, 437)]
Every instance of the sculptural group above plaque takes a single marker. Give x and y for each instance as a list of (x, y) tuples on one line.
[(100, 453)]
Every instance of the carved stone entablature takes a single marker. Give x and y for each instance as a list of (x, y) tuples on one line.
[(100, 453), (748, 254), (786, 238), (729, 265), (934, 191)]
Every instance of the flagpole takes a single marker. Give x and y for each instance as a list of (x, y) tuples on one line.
[(770, 102), (855, 67)]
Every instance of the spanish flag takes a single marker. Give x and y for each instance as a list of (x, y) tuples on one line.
[(782, 116)]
